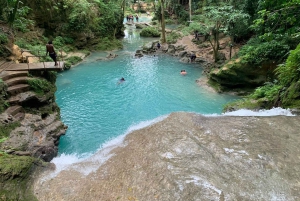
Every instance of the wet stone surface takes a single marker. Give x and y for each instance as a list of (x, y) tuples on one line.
[(189, 157)]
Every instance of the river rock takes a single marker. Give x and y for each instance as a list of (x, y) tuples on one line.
[(139, 53), (171, 49), (185, 60), (140, 25), (182, 54)]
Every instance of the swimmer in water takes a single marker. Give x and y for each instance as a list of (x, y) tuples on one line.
[(121, 80), (183, 72)]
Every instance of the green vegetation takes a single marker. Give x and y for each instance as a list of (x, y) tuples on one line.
[(284, 92), (3, 38), (150, 32), (3, 103), (256, 51), (5, 130), (14, 177), (41, 86), (173, 37), (107, 43), (73, 60)]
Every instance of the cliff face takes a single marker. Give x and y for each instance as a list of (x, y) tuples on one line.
[(30, 129), (190, 157)]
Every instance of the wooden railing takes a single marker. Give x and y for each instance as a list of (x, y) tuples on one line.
[(40, 56)]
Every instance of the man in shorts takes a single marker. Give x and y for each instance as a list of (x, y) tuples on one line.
[(52, 54)]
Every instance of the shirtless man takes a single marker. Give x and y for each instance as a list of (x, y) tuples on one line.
[(52, 54)]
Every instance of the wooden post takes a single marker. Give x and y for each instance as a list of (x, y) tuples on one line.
[(27, 62)]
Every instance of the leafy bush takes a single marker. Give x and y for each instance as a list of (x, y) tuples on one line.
[(150, 32), (256, 52), (289, 71), (73, 60), (3, 38), (187, 30), (109, 44), (173, 37), (60, 41), (270, 91), (41, 86)]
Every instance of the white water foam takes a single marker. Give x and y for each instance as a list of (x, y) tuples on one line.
[(91, 162), (244, 112)]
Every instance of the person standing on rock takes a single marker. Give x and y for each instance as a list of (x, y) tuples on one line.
[(137, 18), (52, 53)]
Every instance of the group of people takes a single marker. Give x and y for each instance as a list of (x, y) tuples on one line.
[(130, 18)]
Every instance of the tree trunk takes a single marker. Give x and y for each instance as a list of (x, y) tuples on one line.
[(163, 29)]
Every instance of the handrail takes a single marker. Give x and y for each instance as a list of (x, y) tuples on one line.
[(40, 56)]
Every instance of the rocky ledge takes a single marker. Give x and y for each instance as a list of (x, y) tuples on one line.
[(36, 136), (190, 157)]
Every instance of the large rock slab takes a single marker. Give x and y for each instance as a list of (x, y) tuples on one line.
[(190, 157)]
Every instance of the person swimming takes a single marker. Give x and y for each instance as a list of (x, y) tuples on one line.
[(121, 80), (183, 72)]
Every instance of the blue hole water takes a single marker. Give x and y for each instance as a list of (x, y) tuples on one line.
[(96, 108)]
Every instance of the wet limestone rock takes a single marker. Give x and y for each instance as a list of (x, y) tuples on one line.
[(190, 157), (236, 74), (37, 137)]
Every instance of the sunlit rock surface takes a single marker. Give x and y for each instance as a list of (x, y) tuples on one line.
[(189, 157)]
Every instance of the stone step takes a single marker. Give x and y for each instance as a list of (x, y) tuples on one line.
[(14, 100), (19, 116), (17, 80), (11, 74), (13, 110), (19, 88)]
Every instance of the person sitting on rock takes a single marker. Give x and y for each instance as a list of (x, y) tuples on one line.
[(158, 45), (137, 18), (193, 57)]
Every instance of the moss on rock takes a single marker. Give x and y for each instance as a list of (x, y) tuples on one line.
[(235, 74), (15, 174)]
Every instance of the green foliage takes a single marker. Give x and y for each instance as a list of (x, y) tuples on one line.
[(108, 43), (51, 76), (194, 26), (41, 86), (3, 38), (269, 91), (73, 60), (173, 37), (277, 17), (5, 129), (256, 51), (60, 41), (14, 173), (3, 139), (150, 32), (290, 71), (3, 97)]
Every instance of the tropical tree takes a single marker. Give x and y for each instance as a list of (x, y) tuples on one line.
[(223, 19), (163, 29)]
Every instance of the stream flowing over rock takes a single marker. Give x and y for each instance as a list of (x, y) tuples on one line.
[(190, 157)]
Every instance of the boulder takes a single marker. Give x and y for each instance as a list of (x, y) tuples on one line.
[(139, 53), (171, 49), (185, 59)]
